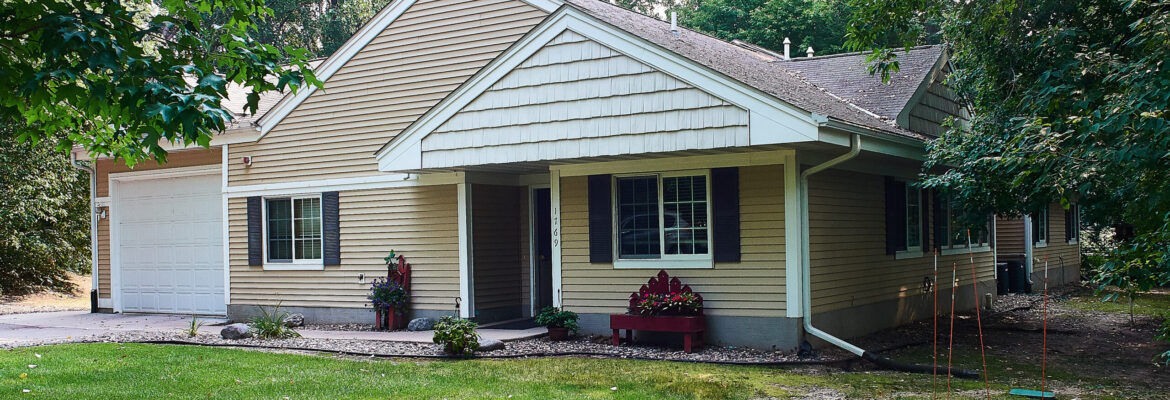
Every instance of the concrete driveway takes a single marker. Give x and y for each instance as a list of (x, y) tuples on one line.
[(36, 328)]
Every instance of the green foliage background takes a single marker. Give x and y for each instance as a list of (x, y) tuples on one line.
[(44, 228)]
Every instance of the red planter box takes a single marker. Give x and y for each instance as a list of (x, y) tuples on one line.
[(389, 320), (692, 327)]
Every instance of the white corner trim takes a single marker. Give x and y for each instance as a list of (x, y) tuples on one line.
[(554, 183), (771, 120), (330, 66), (466, 259), (105, 303), (227, 263)]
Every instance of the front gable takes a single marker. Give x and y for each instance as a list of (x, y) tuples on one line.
[(577, 88), (577, 98)]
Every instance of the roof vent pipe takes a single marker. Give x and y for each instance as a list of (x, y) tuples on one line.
[(809, 51), (674, 22), (787, 44)]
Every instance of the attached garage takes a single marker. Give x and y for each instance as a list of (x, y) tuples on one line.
[(167, 241)]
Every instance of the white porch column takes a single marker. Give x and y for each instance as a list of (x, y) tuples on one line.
[(466, 260), (793, 238), (554, 178)]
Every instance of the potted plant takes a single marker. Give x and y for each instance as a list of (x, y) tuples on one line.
[(389, 301), (558, 322)]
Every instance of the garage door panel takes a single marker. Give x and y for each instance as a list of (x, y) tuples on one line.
[(171, 234)]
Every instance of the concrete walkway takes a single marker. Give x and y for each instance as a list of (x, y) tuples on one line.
[(35, 328)]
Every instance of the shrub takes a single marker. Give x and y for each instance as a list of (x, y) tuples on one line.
[(456, 335), (553, 317), (270, 325), (385, 294)]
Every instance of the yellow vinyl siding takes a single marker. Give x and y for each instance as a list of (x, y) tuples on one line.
[(420, 58), (420, 222), (497, 241), (104, 167), (850, 266), (752, 287), (1058, 249), (1009, 237)]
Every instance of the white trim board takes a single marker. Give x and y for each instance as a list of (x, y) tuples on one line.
[(771, 121), (354, 45)]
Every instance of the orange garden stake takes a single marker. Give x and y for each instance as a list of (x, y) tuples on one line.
[(951, 345), (1044, 334), (934, 336), (978, 317)]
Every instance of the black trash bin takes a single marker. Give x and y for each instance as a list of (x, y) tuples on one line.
[(1003, 279), (1017, 277)]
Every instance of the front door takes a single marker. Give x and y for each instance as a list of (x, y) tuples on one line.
[(543, 296)]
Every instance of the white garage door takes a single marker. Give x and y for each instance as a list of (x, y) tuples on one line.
[(170, 242)]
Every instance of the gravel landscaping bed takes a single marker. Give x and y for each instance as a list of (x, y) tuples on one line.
[(539, 347)]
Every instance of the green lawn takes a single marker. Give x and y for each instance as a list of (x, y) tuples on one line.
[(1154, 304), (112, 371)]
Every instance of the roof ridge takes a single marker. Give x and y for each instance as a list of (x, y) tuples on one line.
[(858, 53)]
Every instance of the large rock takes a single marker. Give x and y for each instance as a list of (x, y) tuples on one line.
[(490, 344), (236, 331), (294, 320), (421, 324)]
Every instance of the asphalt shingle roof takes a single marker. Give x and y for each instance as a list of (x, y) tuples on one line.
[(847, 76), (783, 79)]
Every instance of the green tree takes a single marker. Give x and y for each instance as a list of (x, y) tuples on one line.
[(118, 78), (820, 24), (45, 229), (342, 21), (1070, 104)]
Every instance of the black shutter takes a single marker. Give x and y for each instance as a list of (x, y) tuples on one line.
[(725, 203), (991, 229), (940, 220), (895, 215), (925, 219), (255, 231), (1068, 223), (330, 229), (600, 219)]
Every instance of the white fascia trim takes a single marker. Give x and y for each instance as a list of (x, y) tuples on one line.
[(330, 66), (793, 239), (771, 121), (545, 5), (166, 173), (380, 181)]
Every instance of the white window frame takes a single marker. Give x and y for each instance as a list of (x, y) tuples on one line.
[(665, 261), (1042, 229), (912, 251), (951, 248), (295, 263), (1075, 215)]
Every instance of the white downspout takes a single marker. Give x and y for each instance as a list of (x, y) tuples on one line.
[(1028, 243), (806, 267), (93, 222)]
